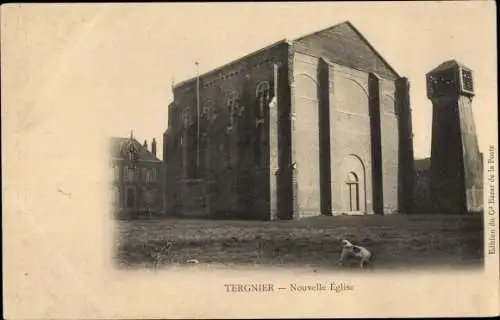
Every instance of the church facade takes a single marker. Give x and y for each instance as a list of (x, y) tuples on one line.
[(320, 125)]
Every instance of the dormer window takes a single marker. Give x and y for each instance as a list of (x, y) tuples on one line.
[(132, 152)]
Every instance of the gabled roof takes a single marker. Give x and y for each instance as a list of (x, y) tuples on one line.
[(313, 39), (334, 58), (120, 148), (450, 64)]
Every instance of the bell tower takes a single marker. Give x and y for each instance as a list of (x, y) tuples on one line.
[(456, 163)]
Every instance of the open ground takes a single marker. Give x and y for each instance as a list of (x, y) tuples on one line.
[(399, 241)]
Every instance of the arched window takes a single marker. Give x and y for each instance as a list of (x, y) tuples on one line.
[(352, 183), (262, 93), (208, 111), (231, 98), (186, 116), (125, 173), (208, 115), (231, 108)]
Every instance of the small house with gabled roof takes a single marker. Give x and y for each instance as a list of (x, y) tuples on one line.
[(137, 179)]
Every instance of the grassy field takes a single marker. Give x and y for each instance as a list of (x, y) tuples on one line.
[(399, 241)]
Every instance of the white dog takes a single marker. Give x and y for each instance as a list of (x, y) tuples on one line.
[(351, 251)]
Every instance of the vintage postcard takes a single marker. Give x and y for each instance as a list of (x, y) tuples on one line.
[(249, 160)]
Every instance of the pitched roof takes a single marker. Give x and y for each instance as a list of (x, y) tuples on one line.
[(448, 65), (360, 53), (121, 146), (389, 70), (210, 72)]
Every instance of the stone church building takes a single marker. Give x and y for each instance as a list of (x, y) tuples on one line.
[(318, 125)]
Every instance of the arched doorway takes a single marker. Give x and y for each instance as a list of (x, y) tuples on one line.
[(349, 191), (352, 187)]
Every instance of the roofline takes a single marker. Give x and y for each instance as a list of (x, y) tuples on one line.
[(362, 37), (321, 30), (145, 149), (289, 42), (275, 44), (139, 161), (448, 64), (374, 50)]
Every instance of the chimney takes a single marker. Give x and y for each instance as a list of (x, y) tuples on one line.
[(153, 146), (145, 144)]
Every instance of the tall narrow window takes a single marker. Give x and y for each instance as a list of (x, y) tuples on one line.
[(131, 174), (208, 116), (116, 198), (262, 96), (186, 116), (125, 173), (116, 172), (192, 141), (131, 198), (208, 111), (231, 111), (352, 184), (231, 108)]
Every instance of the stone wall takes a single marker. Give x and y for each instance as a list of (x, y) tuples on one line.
[(350, 138), (339, 132), (406, 161), (422, 192), (473, 164), (338, 122), (148, 193), (234, 129), (390, 145), (306, 134)]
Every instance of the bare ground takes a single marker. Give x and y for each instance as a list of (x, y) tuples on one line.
[(399, 241)]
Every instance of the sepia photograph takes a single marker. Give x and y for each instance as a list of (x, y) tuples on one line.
[(249, 160), (302, 153)]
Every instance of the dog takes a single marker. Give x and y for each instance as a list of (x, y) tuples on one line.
[(358, 252)]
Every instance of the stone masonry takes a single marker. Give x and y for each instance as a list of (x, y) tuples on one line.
[(317, 125)]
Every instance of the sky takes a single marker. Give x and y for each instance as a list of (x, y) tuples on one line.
[(73, 75), (106, 69)]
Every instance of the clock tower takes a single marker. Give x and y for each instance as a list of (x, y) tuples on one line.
[(456, 164)]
